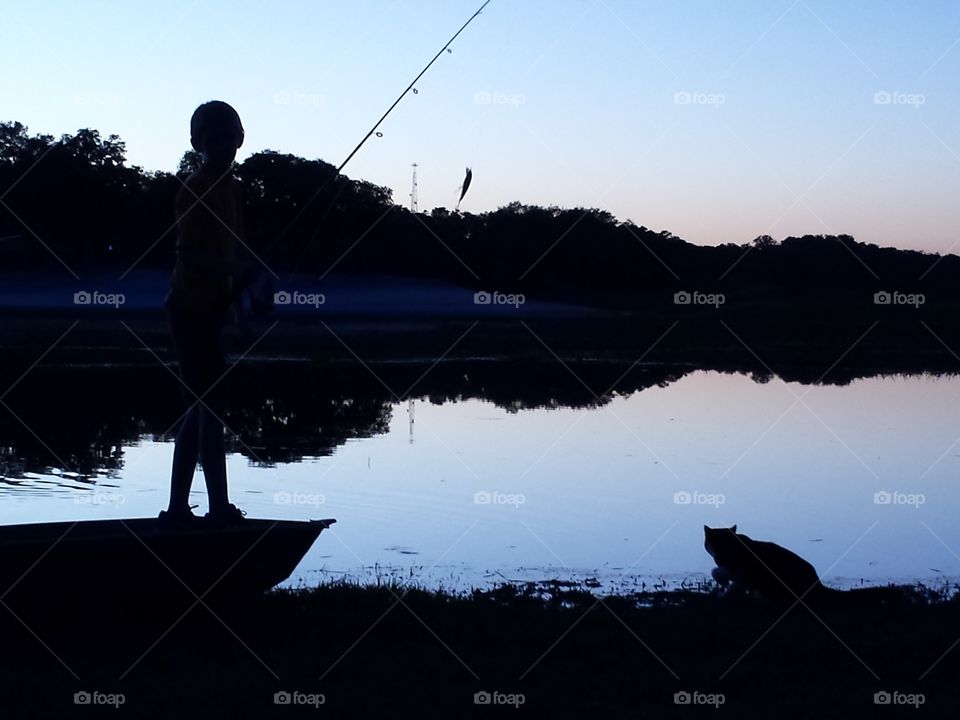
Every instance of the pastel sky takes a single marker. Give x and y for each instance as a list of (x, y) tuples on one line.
[(718, 121)]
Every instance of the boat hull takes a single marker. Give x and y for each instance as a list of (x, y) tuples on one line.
[(116, 559)]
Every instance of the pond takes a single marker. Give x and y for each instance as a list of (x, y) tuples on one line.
[(861, 479)]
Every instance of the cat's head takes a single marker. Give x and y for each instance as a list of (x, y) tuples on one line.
[(716, 539)]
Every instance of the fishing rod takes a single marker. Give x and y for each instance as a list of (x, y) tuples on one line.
[(364, 140), (260, 289)]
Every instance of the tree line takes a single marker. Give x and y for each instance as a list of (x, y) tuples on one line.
[(76, 196)]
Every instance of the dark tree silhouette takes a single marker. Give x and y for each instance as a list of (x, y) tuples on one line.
[(79, 197)]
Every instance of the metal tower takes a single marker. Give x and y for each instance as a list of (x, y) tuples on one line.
[(413, 191)]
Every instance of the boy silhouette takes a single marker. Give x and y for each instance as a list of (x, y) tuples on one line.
[(205, 289)]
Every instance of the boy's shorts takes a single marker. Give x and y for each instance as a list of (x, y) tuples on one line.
[(202, 362)]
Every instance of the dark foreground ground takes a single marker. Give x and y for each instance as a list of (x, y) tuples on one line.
[(385, 652)]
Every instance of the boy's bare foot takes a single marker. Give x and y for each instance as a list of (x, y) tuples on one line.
[(228, 515), (177, 519)]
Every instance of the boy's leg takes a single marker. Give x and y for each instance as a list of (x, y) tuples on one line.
[(213, 458), (185, 453), (187, 445), (212, 367), (202, 369)]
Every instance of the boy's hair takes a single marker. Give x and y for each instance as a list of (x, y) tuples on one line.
[(213, 113)]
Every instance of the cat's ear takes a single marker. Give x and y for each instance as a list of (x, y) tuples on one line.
[(706, 529), (734, 528)]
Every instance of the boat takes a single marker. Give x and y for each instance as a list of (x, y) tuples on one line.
[(109, 560)]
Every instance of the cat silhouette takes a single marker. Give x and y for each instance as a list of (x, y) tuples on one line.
[(781, 576)]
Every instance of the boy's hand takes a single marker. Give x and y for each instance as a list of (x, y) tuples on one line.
[(238, 323), (261, 296), (245, 274)]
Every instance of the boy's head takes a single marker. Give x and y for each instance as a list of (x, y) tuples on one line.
[(216, 133)]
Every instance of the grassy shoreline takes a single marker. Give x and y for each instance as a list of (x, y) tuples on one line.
[(389, 650)]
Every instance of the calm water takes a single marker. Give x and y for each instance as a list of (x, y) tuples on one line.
[(470, 494)]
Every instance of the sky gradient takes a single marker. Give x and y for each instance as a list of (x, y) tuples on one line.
[(717, 121)]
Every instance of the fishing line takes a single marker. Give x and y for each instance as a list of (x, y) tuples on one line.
[(372, 131)]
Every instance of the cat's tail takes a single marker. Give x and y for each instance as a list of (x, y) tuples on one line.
[(880, 597), (869, 597)]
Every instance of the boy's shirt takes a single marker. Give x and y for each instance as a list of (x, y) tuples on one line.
[(207, 231)]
